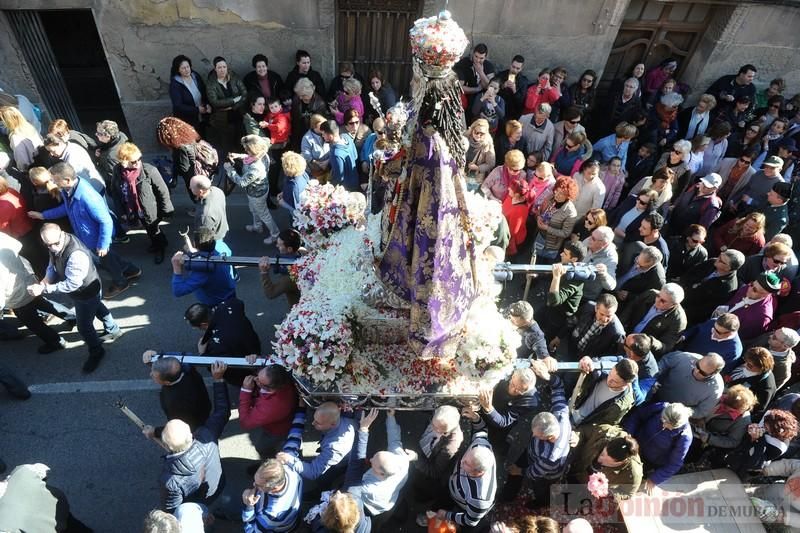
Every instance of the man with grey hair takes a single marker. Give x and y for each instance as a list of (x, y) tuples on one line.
[(183, 393), (691, 379), (780, 344), (192, 470), (439, 447), (538, 132), (657, 313), (546, 456), (597, 332), (210, 211), (109, 139), (510, 400), (647, 273), (603, 255), (711, 284), (533, 340)]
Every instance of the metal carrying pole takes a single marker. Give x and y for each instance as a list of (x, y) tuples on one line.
[(233, 260)]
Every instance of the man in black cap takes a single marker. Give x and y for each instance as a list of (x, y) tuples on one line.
[(776, 211)]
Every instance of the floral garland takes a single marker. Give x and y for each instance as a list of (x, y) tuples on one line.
[(326, 209)]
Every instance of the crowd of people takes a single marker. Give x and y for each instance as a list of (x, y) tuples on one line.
[(683, 316)]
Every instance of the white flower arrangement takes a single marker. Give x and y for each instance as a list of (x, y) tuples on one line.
[(484, 217), (489, 341), (326, 209)]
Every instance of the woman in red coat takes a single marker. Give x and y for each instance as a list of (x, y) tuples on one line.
[(745, 234), (515, 209)]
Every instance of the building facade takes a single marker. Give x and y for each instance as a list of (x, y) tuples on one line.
[(87, 60)]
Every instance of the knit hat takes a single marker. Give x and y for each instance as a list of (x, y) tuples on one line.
[(783, 189), (770, 281), (773, 161)]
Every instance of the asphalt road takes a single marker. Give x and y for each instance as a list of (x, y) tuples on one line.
[(96, 455)]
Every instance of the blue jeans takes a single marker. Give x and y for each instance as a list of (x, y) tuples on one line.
[(85, 313)]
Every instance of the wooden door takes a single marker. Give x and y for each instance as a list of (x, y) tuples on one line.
[(373, 34), (652, 31)]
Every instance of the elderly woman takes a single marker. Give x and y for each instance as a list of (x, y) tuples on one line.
[(591, 190), (676, 160), (315, 150), (662, 125), (663, 432), (349, 98), (305, 103), (693, 121), (540, 183), (480, 154), (745, 234), (538, 131), (616, 144), (766, 441), (556, 218), (755, 373), (294, 168), (439, 449), (510, 140), (23, 138), (611, 451), (187, 91), (228, 98), (724, 428), (142, 195), (495, 186), (253, 179)]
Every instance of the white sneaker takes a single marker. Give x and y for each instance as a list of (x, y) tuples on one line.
[(270, 240), (252, 228)]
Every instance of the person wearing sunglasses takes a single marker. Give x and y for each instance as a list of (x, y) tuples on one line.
[(691, 379), (755, 373), (735, 173), (718, 335), (773, 258), (754, 304), (686, 251)]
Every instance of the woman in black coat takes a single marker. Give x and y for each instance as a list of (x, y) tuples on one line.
[(187, 92), (261, 80), (141, 192)]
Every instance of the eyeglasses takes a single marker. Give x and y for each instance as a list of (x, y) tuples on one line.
[(701, 372), (381, 132), (51, 245), (101, 134), (642, 202), (576, 121), (745, 161)]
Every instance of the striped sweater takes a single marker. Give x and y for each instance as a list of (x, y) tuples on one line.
[(547, 460), (278, 512), (473, 495)]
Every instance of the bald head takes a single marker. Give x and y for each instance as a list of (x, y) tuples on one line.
[(177, 436), (165, 370), (52, 237), (200, 186), (326, 416)]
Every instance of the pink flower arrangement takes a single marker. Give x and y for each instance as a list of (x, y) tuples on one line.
[(598, 485), (326, 209)]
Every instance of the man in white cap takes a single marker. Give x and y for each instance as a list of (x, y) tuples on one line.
[(753, 196), (699, 204)]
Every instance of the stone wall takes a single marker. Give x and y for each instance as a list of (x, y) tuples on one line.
[(763, 35), (142, 36), (577, 34)]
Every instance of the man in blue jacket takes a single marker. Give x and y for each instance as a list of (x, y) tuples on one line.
[(343, 157), (92, 223)]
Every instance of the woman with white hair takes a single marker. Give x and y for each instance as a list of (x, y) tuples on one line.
[(676, 160), (253, 179), (439, 447), (664, 436), (305, 103)]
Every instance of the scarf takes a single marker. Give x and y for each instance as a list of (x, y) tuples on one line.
[(133, 208), (723, 409)]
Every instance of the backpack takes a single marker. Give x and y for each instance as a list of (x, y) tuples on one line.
[(206, 160)]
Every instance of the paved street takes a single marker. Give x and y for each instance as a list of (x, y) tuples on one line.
[(97, 456)]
